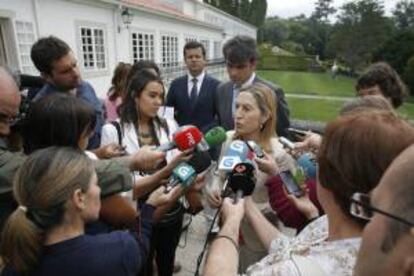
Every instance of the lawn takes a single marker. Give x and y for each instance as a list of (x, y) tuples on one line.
[(311, 83), (323, 85)]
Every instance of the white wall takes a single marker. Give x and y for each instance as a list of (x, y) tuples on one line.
[(60, 18)]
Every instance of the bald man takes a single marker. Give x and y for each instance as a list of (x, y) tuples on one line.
[(386, 238), (9, 103)]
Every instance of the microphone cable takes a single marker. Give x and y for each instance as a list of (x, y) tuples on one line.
[(201, 256)]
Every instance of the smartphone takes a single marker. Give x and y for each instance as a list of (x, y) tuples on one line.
[(297, 131), (287, 143), (256, 149), (290, 183)]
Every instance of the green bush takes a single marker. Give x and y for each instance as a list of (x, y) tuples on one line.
[(409, 75)]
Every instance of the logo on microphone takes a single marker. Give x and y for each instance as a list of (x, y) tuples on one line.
[(240, 168), (238, 146), (190, 139), (184, 171), (228, 162)]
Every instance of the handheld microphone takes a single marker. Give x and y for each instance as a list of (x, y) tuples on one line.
[(241, 180), (287, 143), (215, 136), (305, 161), (253, 146), (183, 139), (201, 159), (183, 174), (308, 163), (236, 153)]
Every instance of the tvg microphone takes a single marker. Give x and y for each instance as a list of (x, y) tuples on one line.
[(236, 153), (183, 175)]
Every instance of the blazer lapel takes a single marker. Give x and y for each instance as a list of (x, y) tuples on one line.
[(228, 100)]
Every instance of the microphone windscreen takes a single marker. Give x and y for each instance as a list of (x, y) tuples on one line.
[(215, 136), (236, 153), (187, 138), (308, 164), (242, 178), (200, 161)]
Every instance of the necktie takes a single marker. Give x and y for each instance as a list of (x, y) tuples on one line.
[(236, 90), (193, 94)]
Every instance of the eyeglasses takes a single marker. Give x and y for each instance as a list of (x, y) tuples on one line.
[(361, 208), (10, 120)]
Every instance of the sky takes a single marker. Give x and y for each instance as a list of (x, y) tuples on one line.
[(289, 8)]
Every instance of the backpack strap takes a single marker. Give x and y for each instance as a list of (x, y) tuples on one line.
[(117, 126)]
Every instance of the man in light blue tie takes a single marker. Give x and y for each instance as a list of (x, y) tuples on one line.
[(241, 56)]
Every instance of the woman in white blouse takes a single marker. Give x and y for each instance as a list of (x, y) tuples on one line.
[(140, 125)]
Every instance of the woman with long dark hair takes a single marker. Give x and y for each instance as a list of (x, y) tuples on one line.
[(140, 125)]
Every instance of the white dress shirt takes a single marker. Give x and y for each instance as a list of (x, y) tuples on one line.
[(190, 82)]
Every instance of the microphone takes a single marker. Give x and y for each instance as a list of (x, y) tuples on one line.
[(183, 139), (183, 174), (236, 153), (241, 180), (286, 143), (215, 136), (253, 146), (306, 162), (201, 159)]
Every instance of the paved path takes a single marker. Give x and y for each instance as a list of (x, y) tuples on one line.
[(190, 246), (318, 97)]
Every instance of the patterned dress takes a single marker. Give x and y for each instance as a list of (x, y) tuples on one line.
[(332, 257)]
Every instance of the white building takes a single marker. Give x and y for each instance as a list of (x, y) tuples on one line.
[(96, 32)]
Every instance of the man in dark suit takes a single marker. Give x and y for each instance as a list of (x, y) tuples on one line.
[(241, 57), (192, 95)]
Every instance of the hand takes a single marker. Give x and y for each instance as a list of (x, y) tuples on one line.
[(159, 197), (232, 211), (267, 164), (109, 151), (146, 159), (311, 140), (183, 156), (303, 204), (199, 183), (214, 198)]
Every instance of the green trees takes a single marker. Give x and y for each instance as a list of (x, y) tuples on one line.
[(404, 14), (252, 11), (361, 28)]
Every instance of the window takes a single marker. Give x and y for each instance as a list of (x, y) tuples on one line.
[(190, 38), (169, 50), (93, 48), (142, 46), (217, 49), (206, 45), (25, 40)]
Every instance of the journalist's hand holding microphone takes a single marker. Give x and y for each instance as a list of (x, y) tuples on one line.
[(267, 164)]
